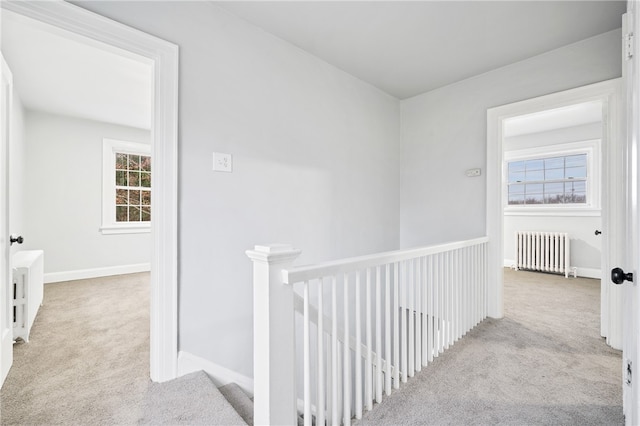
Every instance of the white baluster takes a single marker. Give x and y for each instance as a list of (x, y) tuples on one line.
[(378, 338), (403, 333), (430, 316), (411, 296), (423, 310), (396, 326), (368, 380), (335, 350), (358, 356), (306, 358), (321, 369), (346, 357), (387, 329), (418, 314)]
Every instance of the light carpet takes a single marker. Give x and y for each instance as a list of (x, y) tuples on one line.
[(544, 363), (87, 363)]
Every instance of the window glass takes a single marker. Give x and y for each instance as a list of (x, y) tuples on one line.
[(553, 180)]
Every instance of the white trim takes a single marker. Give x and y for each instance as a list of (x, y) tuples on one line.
[(612, 199), (81, 274), (81, 23), (582, 272), (553, 212), (188, 363), (126, 229)]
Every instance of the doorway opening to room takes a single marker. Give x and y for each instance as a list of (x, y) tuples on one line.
[(553, 167), (95, 32)]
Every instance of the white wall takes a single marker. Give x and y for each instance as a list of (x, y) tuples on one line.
[(444, 133), (17, 173), (586, 247), (315, 163), (63, 197)]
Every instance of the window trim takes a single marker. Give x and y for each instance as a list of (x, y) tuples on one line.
[(590, 147), (109, 224)]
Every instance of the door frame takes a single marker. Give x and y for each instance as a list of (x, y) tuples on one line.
[(74, 21), (613, 205)]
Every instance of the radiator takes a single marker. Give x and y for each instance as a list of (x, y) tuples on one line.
[(543, 251), (28, 290)]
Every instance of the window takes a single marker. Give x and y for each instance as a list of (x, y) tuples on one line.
[(126, 204), (554, 178)]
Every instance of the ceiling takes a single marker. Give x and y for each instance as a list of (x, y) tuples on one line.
[(403, 48), (558, 118), (406, 48), (55, 71)]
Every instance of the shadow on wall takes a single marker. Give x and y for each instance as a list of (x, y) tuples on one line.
[(584, 254)]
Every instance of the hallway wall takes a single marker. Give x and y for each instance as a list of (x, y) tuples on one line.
[(315, 164), (444, 133)]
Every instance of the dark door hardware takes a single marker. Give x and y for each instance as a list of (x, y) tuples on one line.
[(16, 239), (598, 232), (618, 276)]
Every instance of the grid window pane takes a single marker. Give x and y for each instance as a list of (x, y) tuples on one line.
[(133, 187), (534, 165), (122, 214), (576, 172), (121, 196), (145, 197), (145, 179), (534, 198), (553, 180), (145, 163), (516, 189), (134, 213), (516, 176), (146, 214), (533, 175), (121, 161), (516, 199)]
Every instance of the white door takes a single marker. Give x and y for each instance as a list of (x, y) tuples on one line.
[(6, 298)]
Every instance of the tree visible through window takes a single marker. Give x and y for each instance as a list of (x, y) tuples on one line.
[(133, 187), (554, 180)]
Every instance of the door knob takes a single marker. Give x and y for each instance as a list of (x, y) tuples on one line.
[(618, 276), (13, 238), (598, 232)]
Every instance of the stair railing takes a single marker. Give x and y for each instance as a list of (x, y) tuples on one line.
[(367, 324)]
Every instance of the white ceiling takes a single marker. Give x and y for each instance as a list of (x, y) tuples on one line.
[(410, 47), (403, 48), (559, 118), (56, 72)]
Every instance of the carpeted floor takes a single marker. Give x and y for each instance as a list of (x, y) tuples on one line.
[(87, 361), (544, 363)]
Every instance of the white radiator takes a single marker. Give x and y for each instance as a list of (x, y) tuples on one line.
[(543, 251), (28, 290)]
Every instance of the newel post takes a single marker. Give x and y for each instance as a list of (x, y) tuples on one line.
[(274, 385)]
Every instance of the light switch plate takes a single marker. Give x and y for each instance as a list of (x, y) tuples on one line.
[(222, 162)]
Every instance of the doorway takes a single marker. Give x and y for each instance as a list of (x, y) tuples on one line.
[(163, 57), (608, 95)]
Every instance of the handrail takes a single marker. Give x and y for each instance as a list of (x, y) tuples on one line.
[(310, 272)]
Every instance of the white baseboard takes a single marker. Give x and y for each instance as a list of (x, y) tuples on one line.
[(81, 274), (508, 263), (589, 272), (188, 363), (582, 272)]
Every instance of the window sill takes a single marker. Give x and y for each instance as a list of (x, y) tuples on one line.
[(550, 211), (125, 229)]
